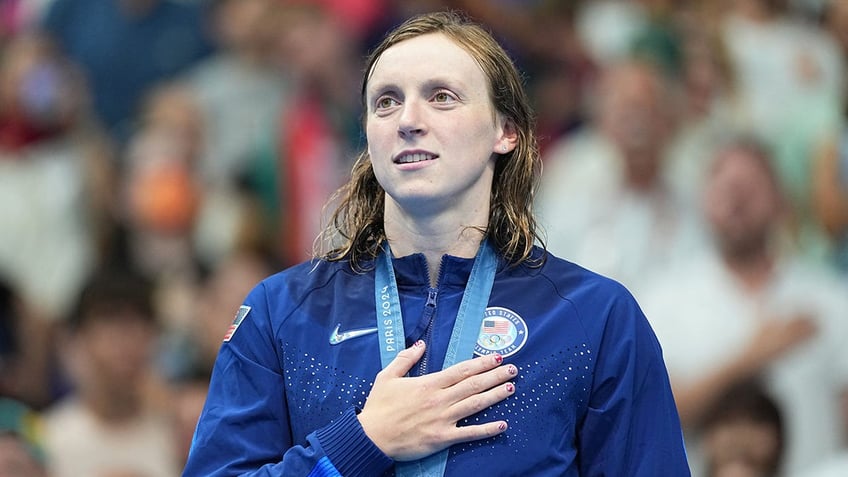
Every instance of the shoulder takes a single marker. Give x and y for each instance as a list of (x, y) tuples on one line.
[(306, 289), (812, 285), (592, 296), (798, 271), (572, 280)]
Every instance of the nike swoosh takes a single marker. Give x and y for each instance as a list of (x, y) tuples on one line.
[(336, 337)]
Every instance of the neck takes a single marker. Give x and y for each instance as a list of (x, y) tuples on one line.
[(754, 269), (446, 234), (113, 408), (642, 170)]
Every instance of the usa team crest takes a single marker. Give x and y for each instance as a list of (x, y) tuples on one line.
[(502, 332)]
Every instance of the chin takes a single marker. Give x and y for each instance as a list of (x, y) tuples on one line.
[(416, 200)]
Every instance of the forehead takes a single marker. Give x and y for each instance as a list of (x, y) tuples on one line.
[(433, 55), (742, 166)]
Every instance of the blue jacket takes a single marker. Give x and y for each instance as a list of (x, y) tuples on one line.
[(592, 393)]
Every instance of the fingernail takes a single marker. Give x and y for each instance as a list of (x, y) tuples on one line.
[(419, 343), (502, 426), (498, 359), (512, 370), (510, 387)]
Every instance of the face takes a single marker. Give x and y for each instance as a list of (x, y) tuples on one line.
[(742, 448), (742, 205), (632, 112), (118, 351), (432, 129), (311, 42)]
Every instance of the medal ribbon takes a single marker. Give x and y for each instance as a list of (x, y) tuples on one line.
[(464, 336)]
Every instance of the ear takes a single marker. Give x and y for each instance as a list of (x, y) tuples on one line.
[(508, 138)]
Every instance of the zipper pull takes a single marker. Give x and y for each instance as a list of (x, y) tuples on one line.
[(431, 297)]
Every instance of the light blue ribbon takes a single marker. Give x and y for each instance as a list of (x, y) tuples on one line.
[(464, 336)]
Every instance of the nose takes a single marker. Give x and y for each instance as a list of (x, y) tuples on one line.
[(410, 122)]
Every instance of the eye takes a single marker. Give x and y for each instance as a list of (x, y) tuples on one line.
[(444, 96), (385, 102)]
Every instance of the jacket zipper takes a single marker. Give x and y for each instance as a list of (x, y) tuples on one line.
[(430, 312)]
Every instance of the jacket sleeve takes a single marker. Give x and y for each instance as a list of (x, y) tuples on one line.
[(631, 426), (244, 428)]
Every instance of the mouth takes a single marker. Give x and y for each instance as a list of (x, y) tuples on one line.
[(413, 156)]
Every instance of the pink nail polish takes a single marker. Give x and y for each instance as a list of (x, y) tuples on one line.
[(498, 359), (510, 387), (502, 426), (513, 370), (419, 343)]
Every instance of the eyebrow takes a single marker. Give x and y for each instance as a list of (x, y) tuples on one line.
[(379, 89)]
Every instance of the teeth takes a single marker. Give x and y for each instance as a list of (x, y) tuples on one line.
[(418, 157)]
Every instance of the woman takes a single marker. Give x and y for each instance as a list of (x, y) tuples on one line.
[(433, 263)]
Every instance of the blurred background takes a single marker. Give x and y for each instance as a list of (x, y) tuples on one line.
[(158, 158)]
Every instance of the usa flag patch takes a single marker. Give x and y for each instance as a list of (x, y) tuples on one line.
[(242, 312), (499, 327)]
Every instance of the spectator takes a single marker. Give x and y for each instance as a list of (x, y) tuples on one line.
[(604, 199), (126, 47), (790, 79), (191, 346), (54, 175), (161, 192), (754, 308), (744, 434), (319, 129), (241, 93), (162, 197), (107, 423), (710, 109), (240, 89)]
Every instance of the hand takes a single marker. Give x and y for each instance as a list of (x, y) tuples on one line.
[(777, 337), (410, 418)]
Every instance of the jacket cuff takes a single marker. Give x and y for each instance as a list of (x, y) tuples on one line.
[(349, 449)]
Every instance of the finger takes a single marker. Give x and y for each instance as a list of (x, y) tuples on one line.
[(476, 432), (465, 369), (480, 383), (405, 360), (480, 401)]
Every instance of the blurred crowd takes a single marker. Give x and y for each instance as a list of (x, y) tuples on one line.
[(160, 157)]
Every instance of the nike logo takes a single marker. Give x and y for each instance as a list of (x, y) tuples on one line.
[(336, 337)]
